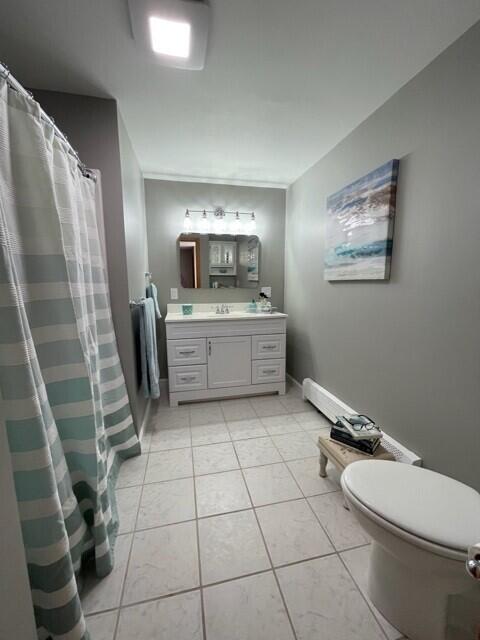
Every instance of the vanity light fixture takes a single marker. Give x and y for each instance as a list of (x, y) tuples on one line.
[(236, 226), (175, 32), (251, 226), (219, 224), (204, 224), (187, 222), (219, 221)]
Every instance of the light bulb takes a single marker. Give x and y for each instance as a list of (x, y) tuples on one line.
[(251, 225), (236, 226), (169, 37), (187, 222), (204, 224), (219, 224)]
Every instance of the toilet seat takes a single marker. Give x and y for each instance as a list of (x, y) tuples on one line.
[(419, 505)]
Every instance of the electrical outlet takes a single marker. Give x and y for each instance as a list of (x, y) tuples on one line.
[(174, 294), (267, 291)]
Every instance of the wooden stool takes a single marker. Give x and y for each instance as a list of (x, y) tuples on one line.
[(341, 456)]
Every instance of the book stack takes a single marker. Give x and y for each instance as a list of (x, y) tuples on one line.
[(357, 432)]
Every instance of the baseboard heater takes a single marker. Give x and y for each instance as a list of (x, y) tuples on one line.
[(331, 406)]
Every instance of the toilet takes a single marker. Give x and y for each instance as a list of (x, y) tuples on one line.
[(421, 524)]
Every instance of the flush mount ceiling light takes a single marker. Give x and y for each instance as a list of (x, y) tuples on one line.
[(169, 37), (174, 32)]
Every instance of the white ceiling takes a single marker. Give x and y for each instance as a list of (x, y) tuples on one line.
[(285, 80)]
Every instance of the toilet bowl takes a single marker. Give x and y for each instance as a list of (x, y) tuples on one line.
[(421, 524)]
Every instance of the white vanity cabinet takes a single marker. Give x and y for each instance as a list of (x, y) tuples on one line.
[(220, 356)]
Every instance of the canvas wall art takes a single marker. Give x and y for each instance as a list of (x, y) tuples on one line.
[(359, 228)]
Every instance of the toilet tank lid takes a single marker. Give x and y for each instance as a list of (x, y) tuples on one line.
[(424, 503)]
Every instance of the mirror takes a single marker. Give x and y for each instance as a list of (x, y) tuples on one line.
[(211, 261)]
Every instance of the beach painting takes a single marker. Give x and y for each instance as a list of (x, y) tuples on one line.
[(359, 227)]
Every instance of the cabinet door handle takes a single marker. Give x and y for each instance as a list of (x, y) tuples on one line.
[(209, 348), (186, 353)]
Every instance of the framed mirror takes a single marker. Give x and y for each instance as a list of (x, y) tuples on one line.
[(212, 261)]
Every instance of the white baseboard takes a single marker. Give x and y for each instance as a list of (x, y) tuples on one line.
[(163, 382), (146, 420), (331, 406), (226, 392)]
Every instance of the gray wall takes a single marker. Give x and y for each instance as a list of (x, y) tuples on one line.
[(135, 228), (133, 214), (166, 202), (91, 125), (408, 351)]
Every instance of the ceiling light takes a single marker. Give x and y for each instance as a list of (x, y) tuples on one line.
[(174, 32), (169, 37)]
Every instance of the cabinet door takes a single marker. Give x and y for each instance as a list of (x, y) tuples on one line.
[(215, 254), (229, 362), (228, 254)]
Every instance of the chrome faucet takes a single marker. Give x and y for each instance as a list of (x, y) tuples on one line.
[(224, 309)]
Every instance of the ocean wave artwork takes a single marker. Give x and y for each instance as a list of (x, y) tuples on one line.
[(359, 228)]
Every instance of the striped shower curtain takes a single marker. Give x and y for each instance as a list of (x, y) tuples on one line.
[(62, 392)]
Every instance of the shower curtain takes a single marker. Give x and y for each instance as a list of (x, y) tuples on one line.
[(63, 397)]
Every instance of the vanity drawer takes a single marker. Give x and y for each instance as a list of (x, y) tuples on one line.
[(268, 371), (268, 346), (187, 378), (182, 352)]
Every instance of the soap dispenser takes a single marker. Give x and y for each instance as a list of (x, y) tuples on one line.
[(265, 304), (252, 306)]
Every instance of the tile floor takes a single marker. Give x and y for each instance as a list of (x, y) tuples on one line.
[(228, 533)]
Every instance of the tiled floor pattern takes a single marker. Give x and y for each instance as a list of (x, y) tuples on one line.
[(228, 533)]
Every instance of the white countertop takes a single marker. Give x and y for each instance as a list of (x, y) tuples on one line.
[(207, 313), (204, 316)]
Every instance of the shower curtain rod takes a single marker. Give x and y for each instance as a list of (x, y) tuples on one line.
[(17, 86)]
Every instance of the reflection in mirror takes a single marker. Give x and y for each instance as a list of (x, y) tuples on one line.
[(210, 261)]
